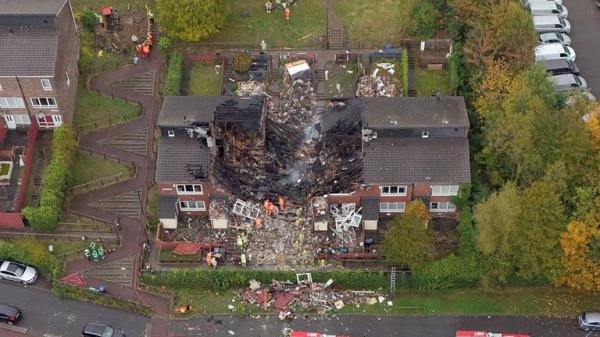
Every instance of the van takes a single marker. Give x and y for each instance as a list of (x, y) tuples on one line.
[(544, 7), (551, 24), (589, 321), (552, 51), (525, 3), (560, 66), (546, 38), (568, 82)]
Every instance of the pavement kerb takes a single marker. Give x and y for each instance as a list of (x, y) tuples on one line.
[(14, 328)]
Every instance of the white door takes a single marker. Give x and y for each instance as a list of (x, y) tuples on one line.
[(10, 122)]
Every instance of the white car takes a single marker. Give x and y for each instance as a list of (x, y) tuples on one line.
[(18, 272), (546, 38), (553, 51)]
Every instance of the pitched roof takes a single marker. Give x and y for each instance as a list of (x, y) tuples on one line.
[(27, 52), (31, 7), (180, 111), (414, 112), (166, 207), (417, 160), (370, 208), (182, 160)]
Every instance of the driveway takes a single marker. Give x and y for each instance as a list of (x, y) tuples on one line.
[(49, 316), (585, 37), (373, 326)]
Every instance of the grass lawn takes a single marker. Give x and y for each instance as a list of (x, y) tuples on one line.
[(168, 255), (94, 111), (204, 81), (152, 207), (89, 168), (207, 302), (338, 73), (432, 80), (248, 24), (371, 24), (62, 247), (119, 5)]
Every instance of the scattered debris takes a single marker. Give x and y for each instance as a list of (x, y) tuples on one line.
[(376, 86), (250, 88)]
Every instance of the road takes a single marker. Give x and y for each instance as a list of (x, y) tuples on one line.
[(372, 326), (49, 316), (585, 39)]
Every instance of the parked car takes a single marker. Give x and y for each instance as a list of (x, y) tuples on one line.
[(544, 7), (554, 51), (9, 314), (560, 66), (551, 24), (568, 82), (472, 333), (563, 38), (525, 3), (100, 330), (18, 272), (589, 321)]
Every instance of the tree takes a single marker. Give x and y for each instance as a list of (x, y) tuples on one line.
[(581, 272), (191, 20), (89, 20), (424, 18), (242, 62), (496, 221), (417, 208), (407, 242)]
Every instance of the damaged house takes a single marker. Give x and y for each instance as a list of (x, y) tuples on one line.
[(197, 133), (413, 148)]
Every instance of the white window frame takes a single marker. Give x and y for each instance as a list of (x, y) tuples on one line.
[(171, 133), (22, 120), (424, 134), (182, 189), (392, 207), (442, 207), (39, 102), (192, 205), (54, 115), (389, 190), (46, 84), (444, 190), (12, 102), (1, 88), (67, 78)]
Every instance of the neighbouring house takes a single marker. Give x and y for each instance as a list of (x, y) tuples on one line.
[(413, 148), (39, 50), (191, 140)]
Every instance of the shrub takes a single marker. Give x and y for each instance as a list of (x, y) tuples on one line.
[(424, 16), (89, 20), (34, 253), (55, 181), (164, 43), (173, 81), (242, 62), (453, 73), (450, 272), (404, 63)]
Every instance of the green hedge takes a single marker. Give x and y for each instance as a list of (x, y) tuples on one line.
[(219, 280), (72, 292), (34, 253), (173, 81), (55, 181), (450, 272), (404, 64)]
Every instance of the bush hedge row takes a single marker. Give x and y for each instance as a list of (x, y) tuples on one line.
[(173, 80), (404, 64), (219, 280), (55, 181), (34, 253)]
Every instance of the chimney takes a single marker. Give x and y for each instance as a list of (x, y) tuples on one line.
[(10, 30)]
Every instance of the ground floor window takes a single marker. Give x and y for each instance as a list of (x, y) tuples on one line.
[(391, 207), (192, 206), (49, 121), (15, 121), (442, 207)]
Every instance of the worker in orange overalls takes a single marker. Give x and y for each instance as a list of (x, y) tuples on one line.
[(209, 258), (281, 203), (258, 223), (287, 12), (271, 211)]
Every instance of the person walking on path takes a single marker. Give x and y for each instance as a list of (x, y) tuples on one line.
[(263, 46), (268, 6), (287, 12)]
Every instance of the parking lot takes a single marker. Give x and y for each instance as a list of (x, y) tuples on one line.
[(585, 36)]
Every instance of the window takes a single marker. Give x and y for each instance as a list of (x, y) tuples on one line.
[(425, 134), (444, 191), (49, 121), (391, 207), (1, 87), (189, 189), (11, 102), (171, 133), (192, 206), (46, 85), (393, 190), (14, 121), (43, 102), (67, 79), (442, 207)]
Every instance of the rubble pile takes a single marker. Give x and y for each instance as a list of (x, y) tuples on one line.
[(298, 104), (250, 88), (376, 86), (286, 296)]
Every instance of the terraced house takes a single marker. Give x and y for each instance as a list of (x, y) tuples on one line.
[(39, 50)]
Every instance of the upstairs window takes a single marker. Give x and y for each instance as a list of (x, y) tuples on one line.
[(196, 206), (43, 102), (12, 102), (444, 190), (189, 189), (393, 190), (46, 85)]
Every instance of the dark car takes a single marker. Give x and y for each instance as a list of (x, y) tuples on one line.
[(100, 330), (560, 67), (9, 314)]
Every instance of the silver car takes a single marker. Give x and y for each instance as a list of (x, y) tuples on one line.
[(589, 321), (18, 272), (562, 38), (568, 82)]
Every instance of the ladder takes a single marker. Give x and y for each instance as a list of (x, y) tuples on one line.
[(393, 280)]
